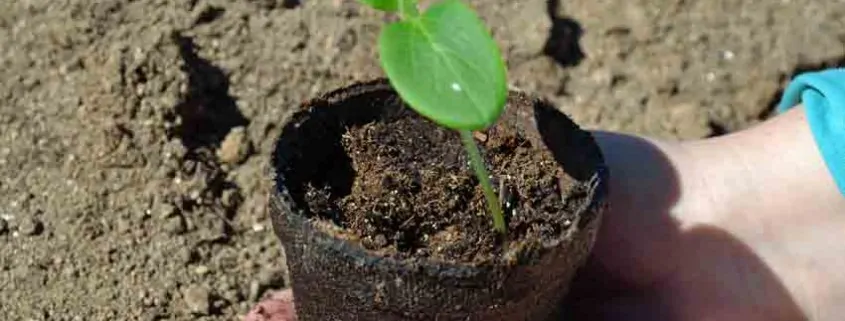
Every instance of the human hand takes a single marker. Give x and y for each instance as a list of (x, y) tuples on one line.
[(730, 228), (655, 259)]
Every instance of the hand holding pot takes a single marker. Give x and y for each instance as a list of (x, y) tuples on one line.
[(746, 226), (683, 238)]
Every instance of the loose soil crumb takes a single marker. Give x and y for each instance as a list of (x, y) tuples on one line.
[(414, 194)]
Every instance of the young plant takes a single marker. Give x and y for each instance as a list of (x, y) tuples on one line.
[(445, 65)]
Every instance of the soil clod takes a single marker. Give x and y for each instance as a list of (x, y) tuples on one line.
[(175, 225), (197, 300), (30, 227), (235, 147)]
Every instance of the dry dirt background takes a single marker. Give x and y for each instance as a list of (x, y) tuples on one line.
[(135, 134)]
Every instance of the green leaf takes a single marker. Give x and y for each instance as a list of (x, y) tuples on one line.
[(446, 66), (392, 5)]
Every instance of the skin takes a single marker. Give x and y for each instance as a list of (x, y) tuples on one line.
[(747, 226)]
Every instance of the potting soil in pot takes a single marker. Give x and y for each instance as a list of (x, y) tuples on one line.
[(413, 194)]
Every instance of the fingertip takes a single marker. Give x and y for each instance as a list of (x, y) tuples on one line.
[(276, 306)]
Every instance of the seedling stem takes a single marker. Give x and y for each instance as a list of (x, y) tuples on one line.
[(477, 163)]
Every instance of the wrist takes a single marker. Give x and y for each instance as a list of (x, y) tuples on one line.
[(772, 191), (772, 173)]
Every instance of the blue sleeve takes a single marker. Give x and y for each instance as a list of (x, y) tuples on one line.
[(823, 96)]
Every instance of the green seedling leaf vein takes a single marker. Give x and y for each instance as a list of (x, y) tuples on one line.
[(444, 52)]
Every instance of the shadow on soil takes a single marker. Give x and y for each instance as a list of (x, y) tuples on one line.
[(290, 4), (642, 250), (563, 44), (838, 62), (207, 111), (208, 15), (716, 129)]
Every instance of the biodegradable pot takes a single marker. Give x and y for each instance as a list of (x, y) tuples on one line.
[(336, 278)]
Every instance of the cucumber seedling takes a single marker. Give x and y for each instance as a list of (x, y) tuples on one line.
[(444, 63)]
